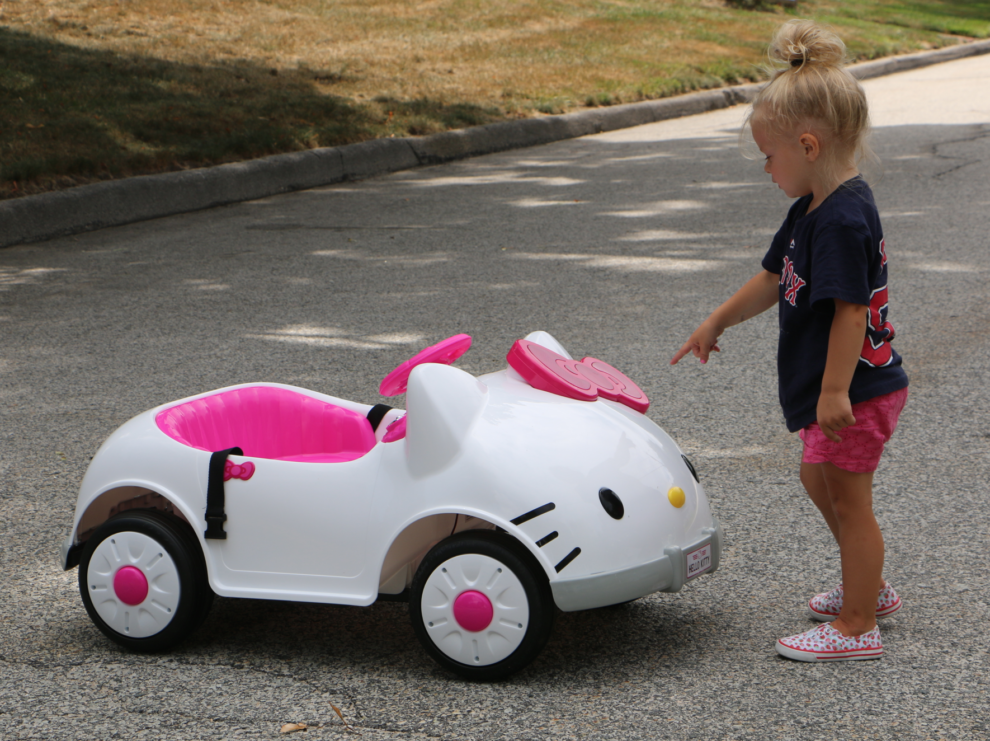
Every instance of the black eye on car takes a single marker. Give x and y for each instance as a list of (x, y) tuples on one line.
[(611, 503)]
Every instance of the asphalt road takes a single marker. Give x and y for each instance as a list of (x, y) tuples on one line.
[(618, 245)]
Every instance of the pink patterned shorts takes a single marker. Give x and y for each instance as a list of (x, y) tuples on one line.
[(862, 443)]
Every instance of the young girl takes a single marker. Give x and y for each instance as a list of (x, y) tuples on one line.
[(841, 383)]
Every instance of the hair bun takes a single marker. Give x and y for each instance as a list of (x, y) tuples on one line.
[(798, 43)]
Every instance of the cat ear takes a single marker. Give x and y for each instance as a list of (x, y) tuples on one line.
[(548, 341), (443, 404)]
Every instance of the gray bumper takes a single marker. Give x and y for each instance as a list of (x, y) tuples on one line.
[(666, 574)]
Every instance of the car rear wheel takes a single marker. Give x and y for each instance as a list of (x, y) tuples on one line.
[(481, 605), (143, 580)]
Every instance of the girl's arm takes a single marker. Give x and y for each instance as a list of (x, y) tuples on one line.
[(845, 344), (755, 297)]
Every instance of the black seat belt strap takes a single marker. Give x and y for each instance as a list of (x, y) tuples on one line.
[(215, 515)]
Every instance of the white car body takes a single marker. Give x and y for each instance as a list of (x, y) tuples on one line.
[(491, 453)]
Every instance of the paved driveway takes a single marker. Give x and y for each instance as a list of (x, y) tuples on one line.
[(618, 245)]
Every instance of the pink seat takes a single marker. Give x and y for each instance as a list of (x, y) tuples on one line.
[(268, 422)]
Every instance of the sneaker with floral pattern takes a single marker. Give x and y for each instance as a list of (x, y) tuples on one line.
[(826, 606), (825, 643)]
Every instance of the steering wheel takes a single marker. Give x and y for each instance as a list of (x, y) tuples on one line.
[(444, 352)]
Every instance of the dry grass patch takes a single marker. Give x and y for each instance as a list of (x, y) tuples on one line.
[(103, 88)]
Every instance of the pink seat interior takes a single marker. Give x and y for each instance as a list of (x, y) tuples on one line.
[(268, 422)]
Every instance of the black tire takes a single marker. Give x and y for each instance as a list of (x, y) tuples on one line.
[(504, 568), (177, 596)]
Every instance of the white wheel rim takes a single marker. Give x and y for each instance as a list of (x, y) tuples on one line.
[(510, 609), (152, 615)]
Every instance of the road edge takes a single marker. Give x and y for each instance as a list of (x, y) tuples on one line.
[(117, 202)]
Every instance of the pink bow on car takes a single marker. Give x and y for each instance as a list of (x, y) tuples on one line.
[(242, 471)]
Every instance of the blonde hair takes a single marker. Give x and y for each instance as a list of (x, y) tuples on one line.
[(810, 87)]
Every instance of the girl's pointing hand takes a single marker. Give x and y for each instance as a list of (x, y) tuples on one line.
[(701, 343)]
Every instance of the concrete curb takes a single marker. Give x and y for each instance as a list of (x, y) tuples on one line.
[(117, 202)]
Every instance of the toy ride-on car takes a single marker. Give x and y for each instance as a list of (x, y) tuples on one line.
[(488, 504)]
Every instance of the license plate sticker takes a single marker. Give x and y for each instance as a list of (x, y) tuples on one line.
[(699, 561)]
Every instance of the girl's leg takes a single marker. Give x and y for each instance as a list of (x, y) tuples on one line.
[(814, 483), (860, 546), (813, 479)]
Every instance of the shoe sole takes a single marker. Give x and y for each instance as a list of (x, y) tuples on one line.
[(859, 654), (825, 617)]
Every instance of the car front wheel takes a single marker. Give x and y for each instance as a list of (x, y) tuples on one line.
[(481, 605), (143, 580)]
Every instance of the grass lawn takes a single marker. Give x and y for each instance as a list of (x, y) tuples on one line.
[(97, 89)]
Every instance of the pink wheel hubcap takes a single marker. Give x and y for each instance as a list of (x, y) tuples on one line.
[(473, 611), (131, 585)]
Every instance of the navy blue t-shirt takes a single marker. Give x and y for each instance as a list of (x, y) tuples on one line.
[(836, 251)]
